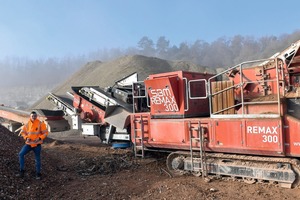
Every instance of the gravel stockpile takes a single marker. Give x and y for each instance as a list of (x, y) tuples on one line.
[(105, 74)]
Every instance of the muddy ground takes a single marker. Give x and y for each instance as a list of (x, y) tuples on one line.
[(78, 168)]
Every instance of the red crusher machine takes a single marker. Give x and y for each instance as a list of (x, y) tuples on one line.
[(242, 123)]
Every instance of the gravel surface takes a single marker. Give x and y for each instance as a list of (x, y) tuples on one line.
[(78, 168)]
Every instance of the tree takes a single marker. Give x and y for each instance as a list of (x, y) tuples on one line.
[(162, 46), (183, 52), (198, 51), (146, 46)]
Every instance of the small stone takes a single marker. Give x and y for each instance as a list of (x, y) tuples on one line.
[(207, 180)]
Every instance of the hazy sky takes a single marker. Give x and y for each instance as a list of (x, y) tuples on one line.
[(46, 28)]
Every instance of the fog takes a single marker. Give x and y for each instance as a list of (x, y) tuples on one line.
[(25, 80)]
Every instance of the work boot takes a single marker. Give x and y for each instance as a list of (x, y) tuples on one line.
[(38, 176), (20, 174)]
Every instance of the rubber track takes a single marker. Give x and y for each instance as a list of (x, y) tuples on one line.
[(295, 163)]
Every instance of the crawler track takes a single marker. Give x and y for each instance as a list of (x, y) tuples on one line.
[(282, 171)]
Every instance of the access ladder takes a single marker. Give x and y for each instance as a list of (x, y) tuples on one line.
[(140, 138), (202, 155)]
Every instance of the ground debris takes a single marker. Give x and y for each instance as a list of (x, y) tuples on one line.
[(105, 165), (77, 168)]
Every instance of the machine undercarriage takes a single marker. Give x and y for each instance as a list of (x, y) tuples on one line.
[(251, 169)]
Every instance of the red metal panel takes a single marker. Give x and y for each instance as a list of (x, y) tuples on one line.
[(264, 134), (292, 136), (164, 96), (169, 98), (260, 109), (246, 135), (228, 133), (168, 132), (88, 111), (254, 89)]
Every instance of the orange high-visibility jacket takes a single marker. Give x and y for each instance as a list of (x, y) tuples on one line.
[(34, 132)]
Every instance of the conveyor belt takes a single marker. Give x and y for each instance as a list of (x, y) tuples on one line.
[(63, 103), (54, 119)]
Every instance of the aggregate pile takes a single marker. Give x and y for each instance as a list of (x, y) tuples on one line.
[(105, 74)]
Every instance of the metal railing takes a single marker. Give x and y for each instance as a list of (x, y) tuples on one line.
[(239, 69)]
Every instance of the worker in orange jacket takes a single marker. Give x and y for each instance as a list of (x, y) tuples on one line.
[(34, 132)]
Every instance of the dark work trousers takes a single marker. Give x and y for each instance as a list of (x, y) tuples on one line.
[(37, 153)]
